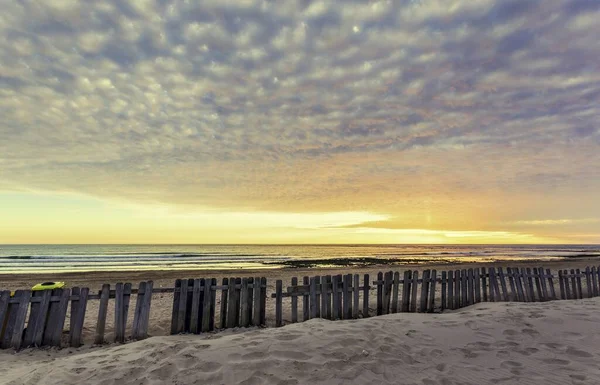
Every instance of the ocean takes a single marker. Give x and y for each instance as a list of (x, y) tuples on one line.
[(18, 259)]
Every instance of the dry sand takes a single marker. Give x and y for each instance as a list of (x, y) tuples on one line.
[(160, 315), (490, 343)]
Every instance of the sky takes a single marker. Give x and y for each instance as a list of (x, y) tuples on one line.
[(262, 121)]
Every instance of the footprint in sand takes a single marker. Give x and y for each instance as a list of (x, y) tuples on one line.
[(510, 365), (510, 332), (578, 353), (555, 361)]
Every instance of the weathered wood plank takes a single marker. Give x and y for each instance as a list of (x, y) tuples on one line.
[(492, 285), (56, 318), (245, 319), (37, 320), (119, 316), (424, 291), (504, 293), (313, 297), (278, 303), (145, 313), (568, 291), (395, 290), (318, 296), (379, 293), (294, 300), (263, 300), (538, 284), (182, 307), (552, 292), (366, 291), (207, 304), (511, 283), (463, 288), (324, 297), (543, 284), (578, 280), (484, 288), (175, 310), (4, 312), (356, 296), (102, 311), (457, 285), (196, 317), (432, 285), (406, 282), (329, 297), (232, 320), (238, 298), (450, 298), (594, 282), (249, 299), (306, 299), (387, 291), (561, 282), (16, 322), (444, 284), (588, 282), (470, 287), (477, 281), (335, 298), (136, 312), (188, 305), (256, 304), (530, 289), (414, 288), (78, 309), (224, 298)]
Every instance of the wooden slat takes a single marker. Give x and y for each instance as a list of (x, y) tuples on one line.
[(387, 291), (522, 280), (530, 285), (335, 296), (568, 291), (78, 309), (213, 304), (405, 306), (424, 291), (538, 284), (457, 286), (34, 318), (188, 305), (395, 289), (432, 291), (356, 296), (519, 284), (578, 280), (594, 282), (329, 297), (366, 291), (463, 288), (543, 284), (574, 293), (306, 299), (145, 313), (477, 281), (102, 311), (552, 292), (137, 310), (245, 320), (588, 282), (175, 310), (313, 297), (511, 282), (250, 299), (207, 305), (37, 321), (450, 298), (224, 308), (57, 313), (263, 300), (13, 334), (444, 287), (470, 287), (561, 282), (492, 285), (504, 292), (318, 297), (414, 287), (232, 320), (119, 307), (379, 293), (182, 310), (256, 299), (196, 309), (4, 312), (294, 301), (348, 296), (324, 297), (484, 288), (278, 303)]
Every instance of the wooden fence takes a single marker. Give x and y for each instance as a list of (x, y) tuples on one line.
[(347, 296), (37, 318)]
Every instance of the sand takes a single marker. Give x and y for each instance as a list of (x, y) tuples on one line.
[(160, 315), (490, 343)]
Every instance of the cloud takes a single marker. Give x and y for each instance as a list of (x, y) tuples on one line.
[(437, 107)]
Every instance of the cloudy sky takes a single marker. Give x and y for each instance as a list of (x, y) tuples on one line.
[(298, 121)]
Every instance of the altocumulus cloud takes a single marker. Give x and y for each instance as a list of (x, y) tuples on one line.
[(439, 106)]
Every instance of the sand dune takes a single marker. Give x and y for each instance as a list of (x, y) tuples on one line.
[(490, 343)]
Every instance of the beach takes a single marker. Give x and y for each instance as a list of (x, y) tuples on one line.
[(162, 303), (555, 342)]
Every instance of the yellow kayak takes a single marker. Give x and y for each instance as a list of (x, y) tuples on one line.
[(48, 286)]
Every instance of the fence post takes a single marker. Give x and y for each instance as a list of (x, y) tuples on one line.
[(278, 303), (366, 289)]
